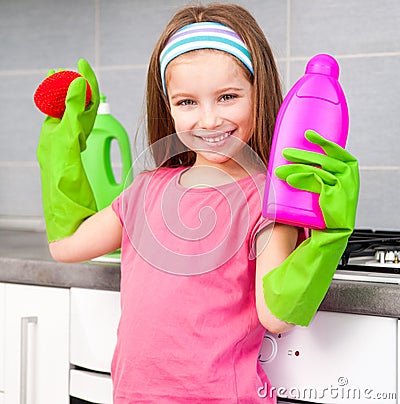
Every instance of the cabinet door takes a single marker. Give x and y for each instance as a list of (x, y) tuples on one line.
[(94, 322), (36, 345), (2, 332)]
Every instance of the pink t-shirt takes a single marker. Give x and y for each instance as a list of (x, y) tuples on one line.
[(189, 331)]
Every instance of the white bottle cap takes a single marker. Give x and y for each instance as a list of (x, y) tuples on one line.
[(104, 106)]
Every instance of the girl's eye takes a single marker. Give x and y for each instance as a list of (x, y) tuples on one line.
[(186, 102), (228, 97)]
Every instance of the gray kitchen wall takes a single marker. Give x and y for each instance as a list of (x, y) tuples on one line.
[(117, 37)]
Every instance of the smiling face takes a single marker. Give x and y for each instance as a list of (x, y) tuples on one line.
[(211, 100)]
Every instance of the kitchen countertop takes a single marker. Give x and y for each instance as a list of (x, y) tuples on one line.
[(25, 258)]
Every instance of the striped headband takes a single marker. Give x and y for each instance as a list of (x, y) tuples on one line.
[(204, 35)]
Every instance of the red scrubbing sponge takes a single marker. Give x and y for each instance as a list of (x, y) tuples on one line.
[(50, 96)]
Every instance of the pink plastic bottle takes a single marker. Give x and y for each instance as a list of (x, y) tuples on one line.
[(315, 102)]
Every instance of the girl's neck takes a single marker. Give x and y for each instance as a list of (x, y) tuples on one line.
[(207, 174)]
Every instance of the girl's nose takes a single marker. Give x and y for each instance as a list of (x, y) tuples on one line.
[(209, 118)]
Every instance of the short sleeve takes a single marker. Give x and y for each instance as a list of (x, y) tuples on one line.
[(116, 207), (261, 224)]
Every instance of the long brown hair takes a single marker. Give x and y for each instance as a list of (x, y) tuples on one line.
[(266, 82)]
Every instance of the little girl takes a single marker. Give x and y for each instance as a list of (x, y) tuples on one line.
[(194, 250)]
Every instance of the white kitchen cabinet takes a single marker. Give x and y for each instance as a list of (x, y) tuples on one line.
[(36, 354), (94, 322), (2, 335), (398, 360)]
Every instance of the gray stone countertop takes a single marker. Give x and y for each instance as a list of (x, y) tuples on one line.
[(25, 258)]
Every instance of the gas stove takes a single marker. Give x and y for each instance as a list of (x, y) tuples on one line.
[(371, 256)]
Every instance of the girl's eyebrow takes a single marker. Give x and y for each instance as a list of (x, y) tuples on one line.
[(218, 91), (230, 88), (180, 95)]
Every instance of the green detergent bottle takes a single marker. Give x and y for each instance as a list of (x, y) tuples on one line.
[(96, 158)]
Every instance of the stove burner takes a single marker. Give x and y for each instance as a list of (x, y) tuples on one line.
[(389, 255), (366, 243), (377, 264), (371, 256)]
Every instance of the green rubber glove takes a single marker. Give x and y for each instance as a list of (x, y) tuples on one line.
[(66, 194), (294, 290)]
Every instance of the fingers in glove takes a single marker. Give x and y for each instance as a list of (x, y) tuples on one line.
[(317, 159), (305, 177), (330, 148), (349, 169), (87, 72), (75, 101)]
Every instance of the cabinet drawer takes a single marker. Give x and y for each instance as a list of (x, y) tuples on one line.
[(94, 322), (90, 386)]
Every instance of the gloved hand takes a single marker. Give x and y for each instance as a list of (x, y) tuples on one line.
[(66, 194), (294, 290)]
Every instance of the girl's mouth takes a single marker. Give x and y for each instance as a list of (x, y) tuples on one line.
[(213, 138), (216, 139)]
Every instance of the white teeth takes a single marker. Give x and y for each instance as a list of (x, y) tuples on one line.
[(216, 139)]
